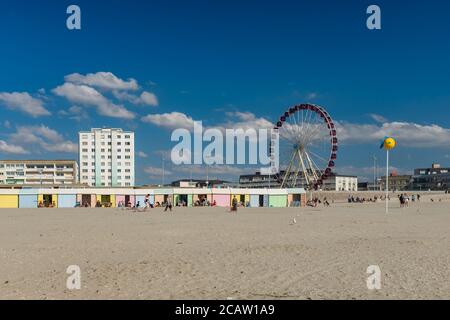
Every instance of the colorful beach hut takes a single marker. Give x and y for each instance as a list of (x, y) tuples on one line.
[(28, 198), (161, 195), (296, 197), (221, 197), (277, 198), (258, 198), (9, 199), (242, 196)]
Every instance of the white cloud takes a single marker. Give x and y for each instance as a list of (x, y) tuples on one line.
[(7, 124), (85, 95), (245, 120), (213, 170), (75, 112), (42, 137), (311, 96), (406, 133), (9, 148), (102, 80), (235, 120), (173, 120), (155, 171), (23, 102), (149, 98), (142, 154), (378, 118), (146, 98)]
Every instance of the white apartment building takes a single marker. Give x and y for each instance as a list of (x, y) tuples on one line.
[(106, 157), (341, 183), (38, 172)]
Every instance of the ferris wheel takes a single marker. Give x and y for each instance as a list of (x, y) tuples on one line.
[(308, 146)]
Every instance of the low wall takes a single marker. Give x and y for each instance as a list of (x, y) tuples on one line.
[(342, 196)]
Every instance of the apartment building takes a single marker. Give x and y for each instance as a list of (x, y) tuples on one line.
[(337, 182), (107, 157), (38, 172)]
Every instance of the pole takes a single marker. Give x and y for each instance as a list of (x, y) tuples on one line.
[(387, 181), (374, 173), (163, 171)]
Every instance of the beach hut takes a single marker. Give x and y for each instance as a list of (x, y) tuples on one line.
[(277, 198), (28, 198), (242, 196), (9, 199), (124, 196), (48, 198), (161, 195), (201, 195), (106, 200), (125, 200), (67, 200), (106, 197), (141, 194), (86, 199), (221, 197), (120, 200), (183, 196), (258, 198), (296, 197)]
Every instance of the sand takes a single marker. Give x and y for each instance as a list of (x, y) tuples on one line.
[(208, 253)]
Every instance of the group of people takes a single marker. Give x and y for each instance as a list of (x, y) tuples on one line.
[(148, 205), (41, 204), (405, 199), (352, 199), (316, 201)]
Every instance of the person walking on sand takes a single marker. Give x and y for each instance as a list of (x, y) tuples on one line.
[(147, 202), (402, 200), (234, 204), (168, 204)]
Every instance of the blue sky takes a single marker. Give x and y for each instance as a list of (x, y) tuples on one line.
[(206, 60)]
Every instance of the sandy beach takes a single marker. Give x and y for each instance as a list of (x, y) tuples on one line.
[(208, 253)]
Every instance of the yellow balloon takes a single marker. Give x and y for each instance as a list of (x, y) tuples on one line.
[(389, 143)]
